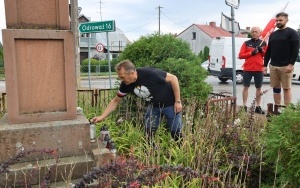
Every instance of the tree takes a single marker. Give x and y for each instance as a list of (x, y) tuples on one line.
[(203, 55), (153, 49), (174, 56)]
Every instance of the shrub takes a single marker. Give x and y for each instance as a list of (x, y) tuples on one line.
[(155, 48), (191, 77), (283, 145)]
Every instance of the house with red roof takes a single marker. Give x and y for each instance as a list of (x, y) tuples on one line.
[(199, 36)]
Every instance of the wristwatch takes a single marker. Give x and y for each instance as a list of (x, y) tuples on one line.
[(178, 101)]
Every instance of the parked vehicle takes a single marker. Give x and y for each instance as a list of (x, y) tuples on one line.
[(220, 60), (205, 64)]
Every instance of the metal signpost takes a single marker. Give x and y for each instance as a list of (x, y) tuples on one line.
[(233, 4), (97, 27)]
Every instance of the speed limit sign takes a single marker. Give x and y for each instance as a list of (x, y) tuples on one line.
[(100, 47)]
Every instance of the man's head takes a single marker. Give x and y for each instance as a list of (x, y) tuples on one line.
[(281, 19), (255, 32), (126, 72)]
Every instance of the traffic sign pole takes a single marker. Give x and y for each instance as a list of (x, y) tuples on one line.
[(97, 27)]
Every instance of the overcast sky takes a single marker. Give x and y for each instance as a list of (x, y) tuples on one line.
[(140, 17)]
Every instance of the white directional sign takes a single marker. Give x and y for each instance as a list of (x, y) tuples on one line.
[(233, 3), (100, 47)]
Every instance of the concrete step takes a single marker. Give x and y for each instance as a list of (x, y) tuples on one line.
[(65, 169)]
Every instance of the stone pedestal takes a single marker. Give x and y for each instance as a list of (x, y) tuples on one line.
[(40, 75), (39, 56), (37, 14), (70, 137)]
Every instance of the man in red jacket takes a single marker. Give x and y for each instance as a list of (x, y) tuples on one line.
[(253, 51)]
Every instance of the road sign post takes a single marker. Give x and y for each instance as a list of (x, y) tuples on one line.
[(233, 4), (97, 27)]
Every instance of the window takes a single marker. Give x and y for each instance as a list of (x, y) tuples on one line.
[(194, 36), (115, 56)]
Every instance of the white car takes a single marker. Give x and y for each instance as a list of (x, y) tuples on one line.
[(205, 64)]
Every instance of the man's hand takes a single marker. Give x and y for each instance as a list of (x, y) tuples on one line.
[(289, 68), (259, 49), (178, 106), (254, 52), (97, 119), (265, 70)]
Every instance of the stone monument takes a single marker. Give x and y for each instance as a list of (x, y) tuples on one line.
[(40, 79)]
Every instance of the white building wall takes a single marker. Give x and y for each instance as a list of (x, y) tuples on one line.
[(197, 44)]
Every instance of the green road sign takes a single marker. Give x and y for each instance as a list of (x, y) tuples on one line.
[(97, 27)]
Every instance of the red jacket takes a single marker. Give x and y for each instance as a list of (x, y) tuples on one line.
[(253, 62)]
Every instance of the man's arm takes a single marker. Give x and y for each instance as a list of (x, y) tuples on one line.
[(244, 53), (109, 109), (267, 56), (176, 90), (295, 51)]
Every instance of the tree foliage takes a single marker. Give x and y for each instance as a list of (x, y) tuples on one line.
[(191, 77), (203, 55), (156, 48), (174, 56)]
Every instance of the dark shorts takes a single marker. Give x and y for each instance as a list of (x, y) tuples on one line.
[(258, 78)]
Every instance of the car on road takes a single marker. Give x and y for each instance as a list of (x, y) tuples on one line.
[(205, 64)]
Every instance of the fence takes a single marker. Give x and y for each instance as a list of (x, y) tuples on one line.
[(96, 70), (220, 107)]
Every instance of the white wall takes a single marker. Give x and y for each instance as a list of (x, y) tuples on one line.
[(202, 39)]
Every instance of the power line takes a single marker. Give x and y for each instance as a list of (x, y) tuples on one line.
[(173, 20), (140, 26)]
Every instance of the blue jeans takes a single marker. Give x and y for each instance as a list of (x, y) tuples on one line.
[(153, 118)]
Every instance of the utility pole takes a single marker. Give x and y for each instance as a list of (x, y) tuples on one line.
[(159, 7), (100, 10)]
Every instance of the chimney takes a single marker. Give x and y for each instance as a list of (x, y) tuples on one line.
[(212, 24)]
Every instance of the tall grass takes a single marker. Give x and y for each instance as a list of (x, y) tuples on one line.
[(226, 152), (216, 150)]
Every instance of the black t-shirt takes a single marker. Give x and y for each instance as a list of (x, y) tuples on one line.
[(283, 47), (151, 86)]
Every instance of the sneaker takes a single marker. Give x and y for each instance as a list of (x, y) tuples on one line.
[(259, 110)]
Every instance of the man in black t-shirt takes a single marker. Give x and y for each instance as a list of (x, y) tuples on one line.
[(158, 88), (282, 53)]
